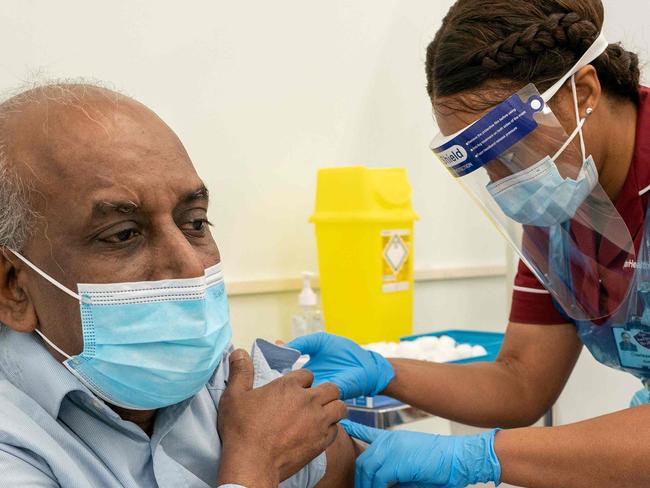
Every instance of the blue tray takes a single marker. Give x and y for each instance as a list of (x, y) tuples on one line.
[(491, 341)]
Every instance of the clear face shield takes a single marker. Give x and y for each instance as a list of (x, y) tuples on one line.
[(541, 191)]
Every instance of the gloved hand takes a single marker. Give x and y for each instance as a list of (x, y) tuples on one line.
[(354, 370), (421, 460)]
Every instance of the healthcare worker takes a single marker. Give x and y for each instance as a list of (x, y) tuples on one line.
[(545, 124)]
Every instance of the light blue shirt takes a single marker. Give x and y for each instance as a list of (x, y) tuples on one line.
[(55, 433)]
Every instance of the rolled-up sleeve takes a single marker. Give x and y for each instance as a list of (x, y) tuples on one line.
[(272, 361)]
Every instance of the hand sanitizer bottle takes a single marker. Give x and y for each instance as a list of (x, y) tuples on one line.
[(308, 321)]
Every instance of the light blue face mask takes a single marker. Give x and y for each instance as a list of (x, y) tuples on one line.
[(150, 344), (540, 195)]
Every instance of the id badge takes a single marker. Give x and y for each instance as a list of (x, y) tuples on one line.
[(633, 345)]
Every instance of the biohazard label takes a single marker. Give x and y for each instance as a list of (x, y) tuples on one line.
[(396, 245)]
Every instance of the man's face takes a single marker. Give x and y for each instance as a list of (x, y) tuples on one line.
[(119, 201)]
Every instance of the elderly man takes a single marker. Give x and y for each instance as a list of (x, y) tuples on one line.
[(113, 351)]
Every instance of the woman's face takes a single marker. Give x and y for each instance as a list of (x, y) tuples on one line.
[(454, 113)]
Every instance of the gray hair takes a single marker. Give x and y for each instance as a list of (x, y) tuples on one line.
[(17, 217)]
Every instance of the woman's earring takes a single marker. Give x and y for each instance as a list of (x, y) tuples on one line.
[(589, 111)]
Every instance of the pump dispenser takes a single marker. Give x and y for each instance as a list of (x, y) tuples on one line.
[(308, 321)]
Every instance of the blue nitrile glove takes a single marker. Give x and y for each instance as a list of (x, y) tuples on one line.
[(354, 370), (423, 460)]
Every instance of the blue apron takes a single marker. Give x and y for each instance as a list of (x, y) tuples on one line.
[(622, 341)]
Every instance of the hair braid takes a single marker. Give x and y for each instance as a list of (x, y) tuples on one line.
[(521, 42), (564, 30)]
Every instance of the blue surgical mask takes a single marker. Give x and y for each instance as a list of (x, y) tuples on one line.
[(540, 196), (150, 344)]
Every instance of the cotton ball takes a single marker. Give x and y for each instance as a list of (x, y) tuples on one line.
[(391, 350), (478, 351), (422, 347), (446, 343), (429, 356), (454, 355), (464, 351), (438, 357), (427, 342), (445, 356), (407, 349), (421, 356)]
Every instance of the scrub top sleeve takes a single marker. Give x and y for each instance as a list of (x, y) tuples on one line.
[(531, 302)]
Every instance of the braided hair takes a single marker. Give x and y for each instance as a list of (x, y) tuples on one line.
[(517, 42)]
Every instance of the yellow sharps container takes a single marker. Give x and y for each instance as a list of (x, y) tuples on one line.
[(364, 232)]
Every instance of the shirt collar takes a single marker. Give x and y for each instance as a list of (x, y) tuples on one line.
[(26, 363)]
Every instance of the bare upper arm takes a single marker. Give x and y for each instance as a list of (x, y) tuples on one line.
[(341, 456), (543, 356)]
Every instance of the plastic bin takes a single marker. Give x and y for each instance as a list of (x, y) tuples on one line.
[(364, 233)]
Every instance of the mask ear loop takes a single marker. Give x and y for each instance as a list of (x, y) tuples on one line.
[(576, 131), (47, 276), (52, 345), (59, 286), (579, 122)]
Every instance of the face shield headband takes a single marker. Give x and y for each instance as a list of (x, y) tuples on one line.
[(467, 150)]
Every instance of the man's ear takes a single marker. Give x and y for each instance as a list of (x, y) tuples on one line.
[(16, 309), (588, 89)]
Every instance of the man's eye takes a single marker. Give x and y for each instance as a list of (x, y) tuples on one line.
[(199, 224), (123, 236), (196, 226)]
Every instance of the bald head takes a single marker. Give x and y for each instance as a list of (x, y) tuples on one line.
[(55, 130), (112, 196)]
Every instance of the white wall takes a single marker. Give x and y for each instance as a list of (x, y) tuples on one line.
[(265, 93), (317, 84)]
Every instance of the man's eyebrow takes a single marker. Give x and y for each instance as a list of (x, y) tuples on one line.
[(200, 193), (127, 207), (104, 208)]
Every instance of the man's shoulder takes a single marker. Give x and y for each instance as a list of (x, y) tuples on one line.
[(24, 426), (270, 362), (20, 415), (14, 402)]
